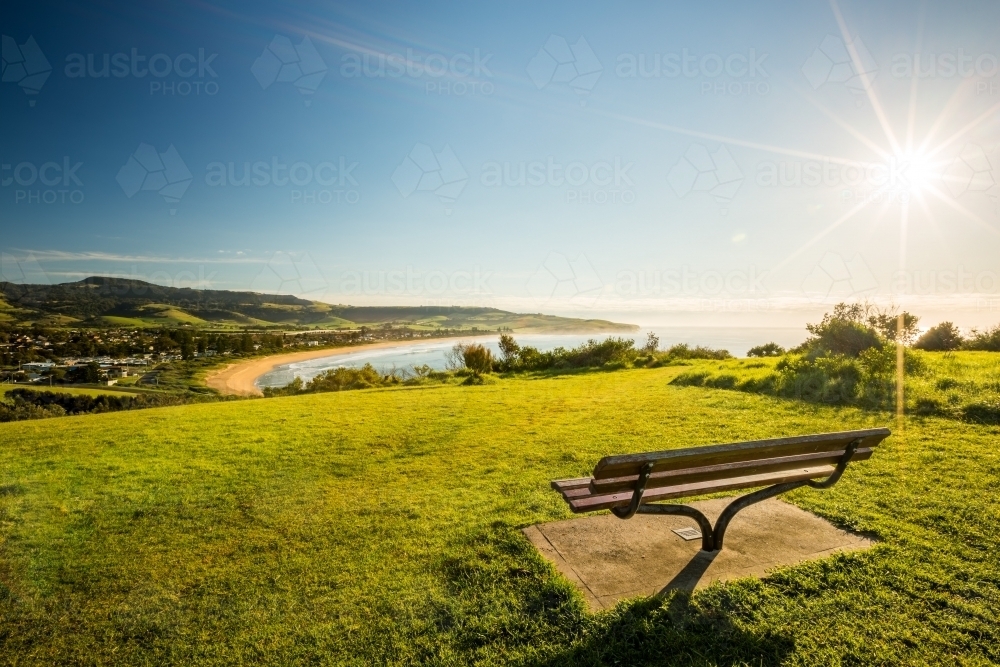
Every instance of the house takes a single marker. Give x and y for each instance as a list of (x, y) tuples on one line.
[(38, 366)]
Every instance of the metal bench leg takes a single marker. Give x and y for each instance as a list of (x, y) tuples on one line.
[(711, 538), (745, 501), (707, 534), (742, 503)]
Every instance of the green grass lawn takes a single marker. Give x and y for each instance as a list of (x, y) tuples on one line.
[(382, 526)]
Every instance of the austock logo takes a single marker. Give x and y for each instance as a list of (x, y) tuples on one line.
[(312, 183), (460, 74), (423, 170), (835, 278), (715, 173), (850, 64), (282, 62), (558, 62), (25, 65), (181, 75), (559, 278), (47, 183), (164, 173), (601, 182), (291, 273)]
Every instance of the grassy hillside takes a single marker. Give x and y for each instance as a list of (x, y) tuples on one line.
[(961, 385), (382, 526), (117, 302)]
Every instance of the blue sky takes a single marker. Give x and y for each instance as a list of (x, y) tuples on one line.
[(710, 163)]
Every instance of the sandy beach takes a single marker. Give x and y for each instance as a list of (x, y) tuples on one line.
[(239, 378)]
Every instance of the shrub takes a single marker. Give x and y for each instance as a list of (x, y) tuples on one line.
[(942, 338), (853, 328), (691, 379), (841, 336), (29, 404), (988, 341), (981, 413), (509, 351), (342, 379), (477, 359), (652, 343), (683, 351), (724, 381), (927, 406), (944, 384), (766, 350), (337, 379)]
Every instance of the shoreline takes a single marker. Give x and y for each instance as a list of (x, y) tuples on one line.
[(237, 379)]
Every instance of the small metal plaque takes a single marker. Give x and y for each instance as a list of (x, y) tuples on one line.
[(688, 534)]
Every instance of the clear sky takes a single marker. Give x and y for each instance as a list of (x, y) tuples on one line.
[(689, 163)]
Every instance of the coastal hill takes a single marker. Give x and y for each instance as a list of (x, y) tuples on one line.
[(100, 301)]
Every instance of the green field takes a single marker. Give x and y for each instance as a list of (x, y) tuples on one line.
[(382, 526)]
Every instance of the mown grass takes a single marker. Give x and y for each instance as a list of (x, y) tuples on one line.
[(382, 526)]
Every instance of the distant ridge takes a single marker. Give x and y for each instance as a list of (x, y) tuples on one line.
[(105, 301)]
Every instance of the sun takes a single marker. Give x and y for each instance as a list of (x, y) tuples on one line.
[(916, 172)]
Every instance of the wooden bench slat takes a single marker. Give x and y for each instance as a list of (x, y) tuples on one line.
[(722, 471), (677, 459), (621, 499), (564, 484), (578, 492)]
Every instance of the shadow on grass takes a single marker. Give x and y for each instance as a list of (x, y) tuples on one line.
[(505, 600), (674, 629)]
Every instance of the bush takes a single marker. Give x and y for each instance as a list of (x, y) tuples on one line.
[(942, 338), (868, 380), (509, 350), (592, 354), (944, 384), (337, 379), (652, 343), (683, 351), (20, 410), (988, 341), (853, 328), (843, 337), (766, 350), (29, 404), (981, 413), (477, 359)]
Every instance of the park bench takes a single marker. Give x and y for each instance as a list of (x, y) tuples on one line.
[(634, 483)]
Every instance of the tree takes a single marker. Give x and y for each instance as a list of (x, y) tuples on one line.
[(509, 350), (887, 324), (766, 350), (652, 343), (988, 340), (853, 328), (478, 359), (88, 374), (942, 338)]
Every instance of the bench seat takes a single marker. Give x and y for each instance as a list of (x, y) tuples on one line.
[(631, 483)]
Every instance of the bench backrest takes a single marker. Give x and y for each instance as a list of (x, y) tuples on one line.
[(739, 459)]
